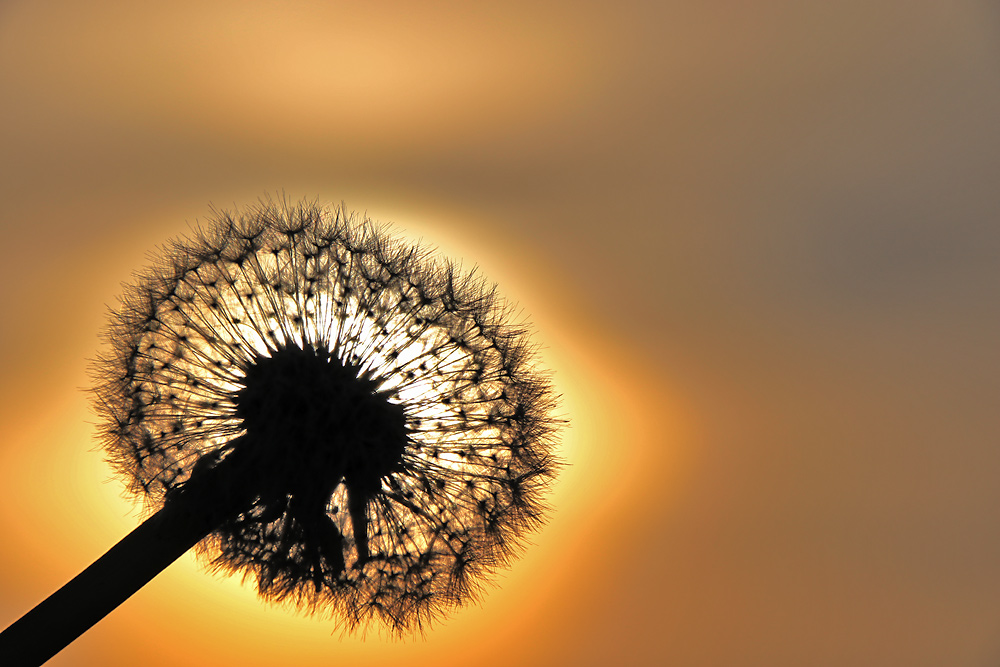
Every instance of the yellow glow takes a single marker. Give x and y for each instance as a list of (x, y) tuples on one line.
[(605, 465)]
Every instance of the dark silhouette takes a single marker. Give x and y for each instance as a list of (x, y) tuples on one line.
[(355, 426)]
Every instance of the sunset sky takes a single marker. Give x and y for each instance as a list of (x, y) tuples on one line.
[(759, 243)]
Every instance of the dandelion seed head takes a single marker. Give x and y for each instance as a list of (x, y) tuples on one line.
[(387, 436)]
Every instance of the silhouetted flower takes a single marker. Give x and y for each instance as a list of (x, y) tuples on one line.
[(368, 419)]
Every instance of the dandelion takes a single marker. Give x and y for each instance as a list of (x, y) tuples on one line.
[(356, 427)]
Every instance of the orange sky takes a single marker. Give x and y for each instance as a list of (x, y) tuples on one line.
[(757, 241)]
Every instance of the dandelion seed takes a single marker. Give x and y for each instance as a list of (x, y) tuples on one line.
[(355, 426)]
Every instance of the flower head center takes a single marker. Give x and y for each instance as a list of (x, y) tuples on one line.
[(306, 410)]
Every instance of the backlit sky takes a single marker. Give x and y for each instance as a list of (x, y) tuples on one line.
[(759, 243)]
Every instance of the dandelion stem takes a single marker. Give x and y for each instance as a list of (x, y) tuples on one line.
[(110, 580)]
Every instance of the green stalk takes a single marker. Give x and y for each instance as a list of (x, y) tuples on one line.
[(185, 519)]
